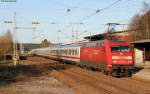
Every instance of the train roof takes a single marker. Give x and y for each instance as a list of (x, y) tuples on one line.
[(81, 44), (73, 45), (91, 43)]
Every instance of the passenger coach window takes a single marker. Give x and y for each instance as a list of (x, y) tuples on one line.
[(77, 52), (120, 49), (73, 52)]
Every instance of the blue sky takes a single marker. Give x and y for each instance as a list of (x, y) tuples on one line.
[(55, 11)]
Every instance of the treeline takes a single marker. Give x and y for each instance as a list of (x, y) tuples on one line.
[(6, 44), (45, 43), (141, 24)]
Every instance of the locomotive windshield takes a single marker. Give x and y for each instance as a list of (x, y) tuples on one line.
[(120, 48)]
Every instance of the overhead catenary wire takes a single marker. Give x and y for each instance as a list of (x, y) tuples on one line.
[(69, 9), (100, 10), (96, 12)]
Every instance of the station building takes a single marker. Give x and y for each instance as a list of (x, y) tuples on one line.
[(142, 50)]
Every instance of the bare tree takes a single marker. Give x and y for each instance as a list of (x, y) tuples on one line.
[(146, 7), (6, 43), (140, 23), (45, 43)]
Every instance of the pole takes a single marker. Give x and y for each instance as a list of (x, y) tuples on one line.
[(72, 35), (90, 36), (33, 32), (147, 26), (76, 34), (144, 55), (15, 42), (58, 45)]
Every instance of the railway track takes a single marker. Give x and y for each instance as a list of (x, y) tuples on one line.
[(124, 83), (112, 87), (89, 82)]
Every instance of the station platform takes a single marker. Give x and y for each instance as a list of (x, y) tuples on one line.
[(143, 70)]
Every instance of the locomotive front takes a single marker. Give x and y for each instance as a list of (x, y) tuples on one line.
[(120, 58)]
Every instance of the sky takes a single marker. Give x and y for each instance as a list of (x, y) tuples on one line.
[(61, 19)]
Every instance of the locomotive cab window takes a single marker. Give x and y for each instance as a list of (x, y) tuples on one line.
[(120, 49)]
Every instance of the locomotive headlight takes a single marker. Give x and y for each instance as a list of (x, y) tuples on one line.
[(109, 67)]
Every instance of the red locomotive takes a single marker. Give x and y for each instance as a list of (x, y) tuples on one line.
[(111, 56)]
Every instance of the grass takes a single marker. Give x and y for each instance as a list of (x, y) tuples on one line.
[(7, 72)]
